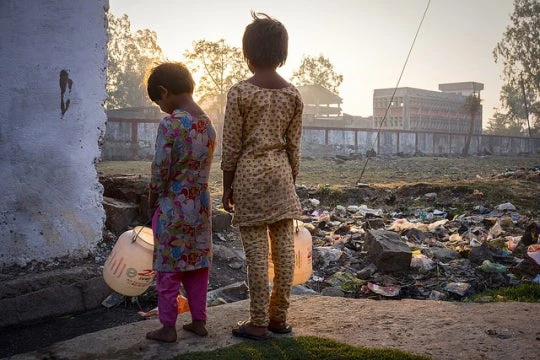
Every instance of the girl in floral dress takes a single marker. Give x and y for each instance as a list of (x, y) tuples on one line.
[(179, 194), (260, 162)]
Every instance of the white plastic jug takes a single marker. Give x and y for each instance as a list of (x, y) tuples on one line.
[(128, 269), (303, 246)]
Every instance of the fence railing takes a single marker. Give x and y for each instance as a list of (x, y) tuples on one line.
[(134, 139)]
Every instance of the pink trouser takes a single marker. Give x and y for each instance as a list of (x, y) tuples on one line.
[(196, 285), (168, 284)]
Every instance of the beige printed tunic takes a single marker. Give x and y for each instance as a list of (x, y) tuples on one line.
[(261, 144)]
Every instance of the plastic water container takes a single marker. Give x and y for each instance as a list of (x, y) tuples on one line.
[(128, 269), (303, 264)]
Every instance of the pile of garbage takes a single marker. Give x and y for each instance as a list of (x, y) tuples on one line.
[(369, 253)]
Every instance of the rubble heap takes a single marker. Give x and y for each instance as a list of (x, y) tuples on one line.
[(421, 254)]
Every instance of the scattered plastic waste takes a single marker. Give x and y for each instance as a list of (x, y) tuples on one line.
[(495, 231), (506, 206), (491, 267), (436, 295), (389, 291), (440, 213), (455, 237), (353, 208), (477, 193), (536, 279), (183, 307), (423, 215), (113, 299), (479, 209), (346, 281), (511, 242), (475, 243), (422, 263), (459, 288), (533, 251), (400, 225), (319, 215), (364, 210), (314, 202)]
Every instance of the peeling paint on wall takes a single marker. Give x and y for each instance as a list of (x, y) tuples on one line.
[(51, 198), (65, 83)]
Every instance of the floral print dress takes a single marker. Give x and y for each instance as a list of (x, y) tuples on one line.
[(180, 170), (261, 144)]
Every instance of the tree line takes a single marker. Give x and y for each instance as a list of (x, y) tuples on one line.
[(132, 54)]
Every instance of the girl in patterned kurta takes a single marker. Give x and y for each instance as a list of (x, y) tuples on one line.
[(179, 194), (260, 162)]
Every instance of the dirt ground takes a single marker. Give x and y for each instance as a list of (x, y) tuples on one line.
[(442, 330), (498, 177), (438, 330)]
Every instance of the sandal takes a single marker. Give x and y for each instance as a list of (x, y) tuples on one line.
[(279, 327), (242, 330)]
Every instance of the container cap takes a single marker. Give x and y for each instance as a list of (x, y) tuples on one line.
[(145, 234)]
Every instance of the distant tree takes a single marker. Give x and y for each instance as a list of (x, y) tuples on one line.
[(130, 55), (220, 66), (513, 121), (502, 124), (519, 51), (472, 106), (317, 70)]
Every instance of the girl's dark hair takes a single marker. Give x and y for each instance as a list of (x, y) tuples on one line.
[(175, 77), (265, 42)]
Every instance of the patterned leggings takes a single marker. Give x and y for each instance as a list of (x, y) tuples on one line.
[(255, 241)]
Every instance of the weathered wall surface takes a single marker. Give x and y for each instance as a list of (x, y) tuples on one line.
[(52, 88), (319, 142), (132, 138)]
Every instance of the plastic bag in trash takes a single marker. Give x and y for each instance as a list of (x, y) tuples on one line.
[(422, 263), (533, 251), (491, 267)]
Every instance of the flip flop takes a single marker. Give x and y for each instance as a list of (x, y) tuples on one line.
[(242, 331), (279, 327)]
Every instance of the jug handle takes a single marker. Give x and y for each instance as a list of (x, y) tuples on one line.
[(135, 236), (297, 226)]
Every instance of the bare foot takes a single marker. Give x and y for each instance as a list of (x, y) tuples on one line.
[(197, 327), (165, 334)]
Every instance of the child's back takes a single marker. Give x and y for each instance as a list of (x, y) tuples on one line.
[(260, 162), (268, 123)]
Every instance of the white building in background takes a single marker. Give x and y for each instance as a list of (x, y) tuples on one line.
[(51, 122), (427, 110)]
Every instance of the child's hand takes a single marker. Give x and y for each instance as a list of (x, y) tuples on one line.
[(227, 200)]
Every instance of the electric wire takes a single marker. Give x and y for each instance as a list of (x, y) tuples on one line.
[(395, 89)]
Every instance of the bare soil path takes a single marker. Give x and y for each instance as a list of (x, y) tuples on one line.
[(439, 330)]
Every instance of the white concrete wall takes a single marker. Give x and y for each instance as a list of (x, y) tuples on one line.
[(341, 142), (50, 198)]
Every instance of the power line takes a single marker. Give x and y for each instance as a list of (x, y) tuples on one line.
[(396, 87)]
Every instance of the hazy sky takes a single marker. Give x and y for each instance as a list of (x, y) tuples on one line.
[(366, 40)]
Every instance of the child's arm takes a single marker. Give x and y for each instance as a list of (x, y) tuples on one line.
[(232, 132), (231, 146), (294, 139), (227, 200)]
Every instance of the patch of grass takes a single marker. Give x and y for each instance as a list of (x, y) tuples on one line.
[(299, 348), (523, 293), (330, 195)]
